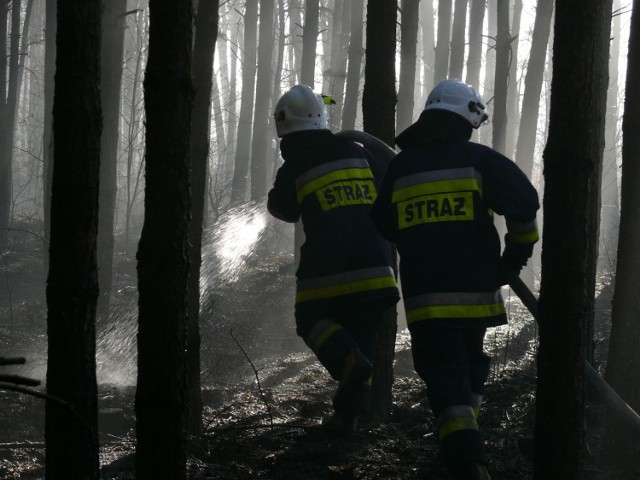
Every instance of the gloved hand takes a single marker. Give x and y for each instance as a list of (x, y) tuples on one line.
[(515, 255)]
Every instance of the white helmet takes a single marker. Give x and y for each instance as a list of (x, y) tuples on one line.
[(460, 98), (300, 109)]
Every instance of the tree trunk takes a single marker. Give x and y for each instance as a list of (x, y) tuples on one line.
[(485, 134), (441, 66), (71, 432), (619, 444), (111, 81), (408, 43), (378, 105), (241, 170), (474, 60), (350, 109), (513, 97), (261, 134), (309, 42), (203, 51), (572, 167), (428, 48), (5, 160), (533, 87), (50, 30), (501, 79), (163, 253), (610, 205), (456, 62)]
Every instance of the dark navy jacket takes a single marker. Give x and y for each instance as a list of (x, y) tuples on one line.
[(331, 184), (436, 203)]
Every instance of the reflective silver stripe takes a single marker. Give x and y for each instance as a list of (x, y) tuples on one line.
[(453, 298), (438, 176), (330, 167), (476, 399), (522, 227), (345, 277)]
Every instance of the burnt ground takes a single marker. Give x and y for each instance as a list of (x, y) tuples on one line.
[(264, 394)]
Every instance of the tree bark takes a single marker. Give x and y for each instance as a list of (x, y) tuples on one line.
[(51, 27), (350, 109), (408, 44), (241, 170), (527, 134), (113, 21), (499, 122), (428, 48), (572, 167), (378, 106), (513, 97), (619, 445), (458, 42), (163, 254), (261, 134), (5, 160), (441, 66), (474, 60), (309, 42), (206, 24), (71, 432)]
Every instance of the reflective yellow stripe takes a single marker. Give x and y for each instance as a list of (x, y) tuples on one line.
[(338, 175), (524, 238), (318, 341), (522, 232), (455, 425), (445, 186), (454, 311), (345, 289)]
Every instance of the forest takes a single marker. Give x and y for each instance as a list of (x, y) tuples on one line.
[(147, 296)]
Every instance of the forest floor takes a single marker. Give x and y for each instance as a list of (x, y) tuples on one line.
[(264, 394)]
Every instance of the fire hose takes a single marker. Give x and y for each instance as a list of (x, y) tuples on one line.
[(606, 393)]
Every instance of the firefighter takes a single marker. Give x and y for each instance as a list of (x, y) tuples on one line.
[(345, 281), (437, 203)]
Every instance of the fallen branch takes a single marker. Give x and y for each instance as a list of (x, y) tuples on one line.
[(255, 372)]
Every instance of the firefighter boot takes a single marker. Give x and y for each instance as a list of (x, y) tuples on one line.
[(469, 471), (352, 397), (356, 370)]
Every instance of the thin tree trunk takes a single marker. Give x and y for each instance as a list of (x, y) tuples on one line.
[(71, 434), (5, 160), (474, 60), (263, 96), (309, 42), (428, 47), (203, 51), (113, 21), (51, 27), (441, 67), (351, 96), (501, 78), (408, 43), (513, 97), (533, 87), (458, 42), (241, 170)]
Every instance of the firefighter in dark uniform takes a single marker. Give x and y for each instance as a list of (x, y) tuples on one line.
[(345, 280), (436, 204)]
